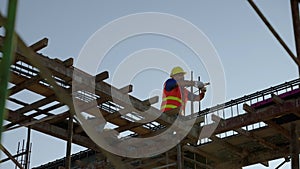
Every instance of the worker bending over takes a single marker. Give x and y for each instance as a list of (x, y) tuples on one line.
[(175, 95)]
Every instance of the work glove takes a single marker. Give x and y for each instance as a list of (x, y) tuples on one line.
[(200, 84), (203, 90)]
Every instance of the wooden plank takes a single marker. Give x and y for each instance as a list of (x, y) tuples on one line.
[(277, 99), (198, 150), (279, 129), (235, 149), (259, 115), (34, 87), (266, 155), (68, 62), (62, 134), (39, 45), (105, 89), (126, 89), (55, 131), (24, 85), (39, 112), (272, 124), (150, 101), (248, 108), (101, 76), (248, 134), (36, 104), (52, 118)]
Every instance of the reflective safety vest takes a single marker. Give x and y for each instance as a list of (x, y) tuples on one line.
[(174, 99)]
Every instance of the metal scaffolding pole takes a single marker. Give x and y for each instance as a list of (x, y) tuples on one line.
[(8, 52), (69, 143), (167, 159), (11, 156), (179, 157), (27, 148), (296, 24), (192, 91), (294, 148), (264, 19)]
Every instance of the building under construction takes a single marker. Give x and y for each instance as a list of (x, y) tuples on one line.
[(253, 129)]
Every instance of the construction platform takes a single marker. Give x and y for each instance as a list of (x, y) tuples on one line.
[(253, 129)]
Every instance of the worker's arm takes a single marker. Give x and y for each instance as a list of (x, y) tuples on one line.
[(172, 83), (194, 97), (186, 83)]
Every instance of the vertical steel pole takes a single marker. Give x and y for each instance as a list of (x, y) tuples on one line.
[(195, 165), (27, 148), (8, 52), (296, 25), (69, 143), (167, 159), (294, 147), (179, 156), (199, 93), (192, 91)]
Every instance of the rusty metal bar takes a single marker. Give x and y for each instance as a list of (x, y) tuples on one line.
[(27, 148), (14, 156), (264, 19), (10, 156), (296, 25), (281, 164), (179, 157), (69, 143), (294, 148), (167, 159)]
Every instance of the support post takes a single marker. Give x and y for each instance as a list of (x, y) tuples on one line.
[(199, 100), (167, 159), (296, 25), (294, 148), (27, 148), (69, 143), (179, 157)]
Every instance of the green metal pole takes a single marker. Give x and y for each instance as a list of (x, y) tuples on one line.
[(8, 53)]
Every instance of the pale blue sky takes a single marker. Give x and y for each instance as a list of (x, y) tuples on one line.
[(251, 57)]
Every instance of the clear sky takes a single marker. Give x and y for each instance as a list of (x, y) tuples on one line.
[(252, 58)]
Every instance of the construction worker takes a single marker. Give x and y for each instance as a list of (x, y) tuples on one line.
[(175, 95)]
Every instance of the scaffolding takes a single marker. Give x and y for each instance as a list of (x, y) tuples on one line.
[(253, 129)]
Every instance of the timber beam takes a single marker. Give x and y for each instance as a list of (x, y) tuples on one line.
[(250, 135), (281, 108), (256, 116), (39, 45)]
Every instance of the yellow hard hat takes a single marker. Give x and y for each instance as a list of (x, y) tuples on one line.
[(177, 70)]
